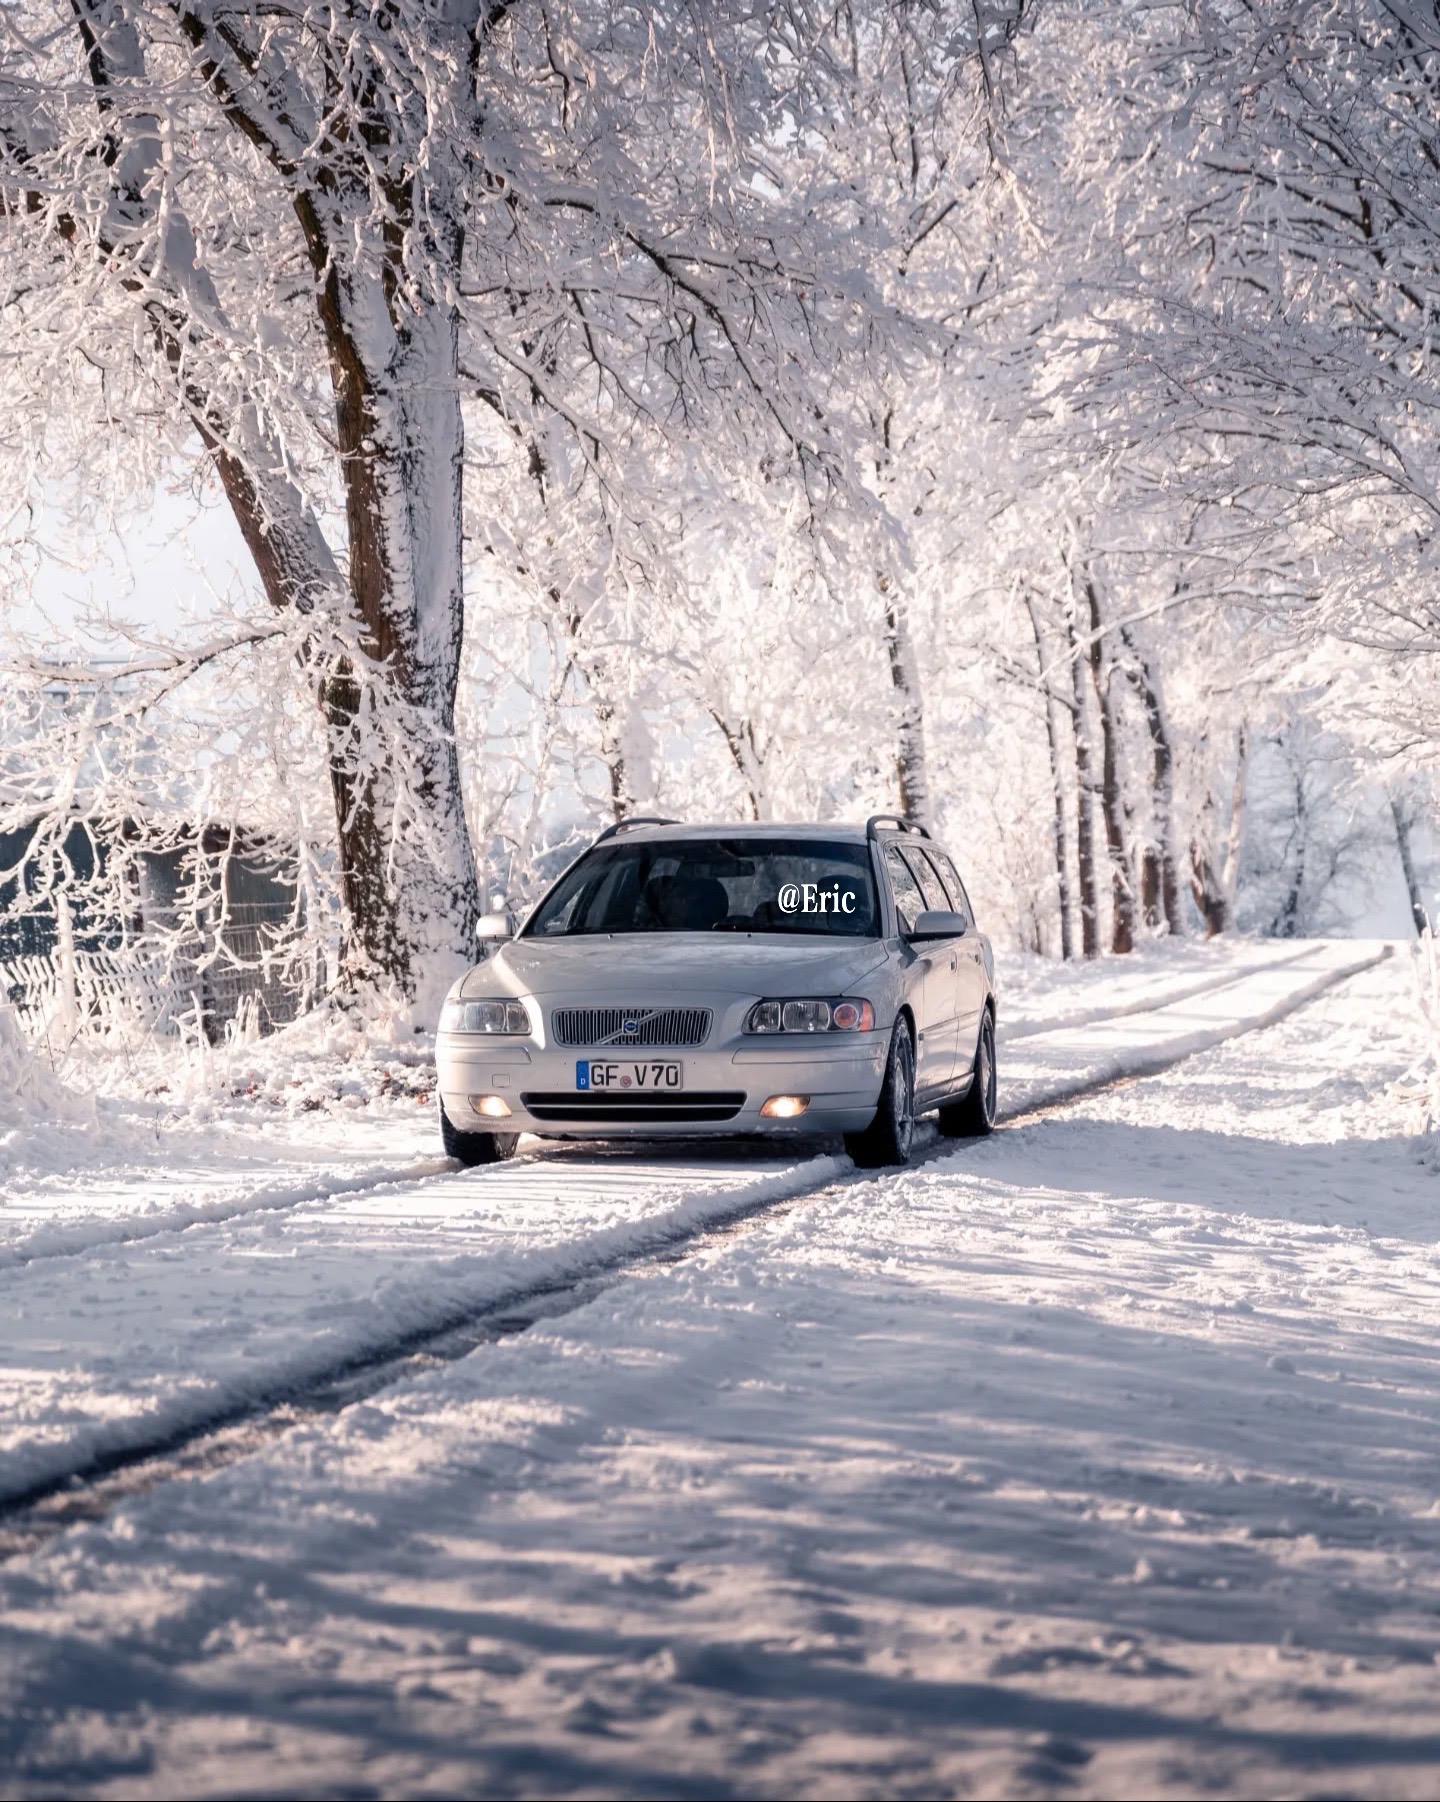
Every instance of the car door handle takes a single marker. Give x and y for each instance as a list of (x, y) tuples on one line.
[(953, 962)]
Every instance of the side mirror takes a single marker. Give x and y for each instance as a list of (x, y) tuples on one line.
[(490, 927), (939, 923)]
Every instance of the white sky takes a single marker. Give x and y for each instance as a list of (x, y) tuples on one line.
[(152, 567)]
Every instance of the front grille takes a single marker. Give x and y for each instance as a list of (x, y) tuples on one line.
[(692, 1104), (606, 1026)]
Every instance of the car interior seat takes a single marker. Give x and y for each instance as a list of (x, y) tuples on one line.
[(688, 903)]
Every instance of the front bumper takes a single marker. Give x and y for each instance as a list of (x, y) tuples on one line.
[(727, 1085)]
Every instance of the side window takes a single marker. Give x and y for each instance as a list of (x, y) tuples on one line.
[(909, 902), (956, 887), (930, 887)]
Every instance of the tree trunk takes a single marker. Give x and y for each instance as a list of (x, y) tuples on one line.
[(594, 670), (407, 868), (1401, 820), (1235, 838), (911, 770), (1159, 881), (1210, 897), (1122, 883), (1287, 921), (1084, 796), (749, 762), (612, 754), (1059, 835), (1213, 890)]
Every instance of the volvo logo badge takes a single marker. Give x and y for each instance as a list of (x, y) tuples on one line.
[(631, 1026)]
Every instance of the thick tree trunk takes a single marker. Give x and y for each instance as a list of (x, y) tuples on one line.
[(1084, 796), (407, 867), (1059, 833), (912, 774), (1401, 821), (1122, 882)]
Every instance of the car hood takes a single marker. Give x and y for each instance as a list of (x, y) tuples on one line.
[(652, 966)]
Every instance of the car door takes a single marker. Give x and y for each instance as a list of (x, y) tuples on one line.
[(970, 977), (947, 984), (933, 995)]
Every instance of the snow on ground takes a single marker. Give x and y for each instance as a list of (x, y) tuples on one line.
[(106, 1353), (1094, 1460), (1037, 994), (238, 1129), (1051, 1063), (301, 1255)]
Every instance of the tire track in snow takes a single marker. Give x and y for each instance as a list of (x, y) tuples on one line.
[(99, 1232), (1147, 1004), (68, 1239), (1126, 1066), (564, 1277)]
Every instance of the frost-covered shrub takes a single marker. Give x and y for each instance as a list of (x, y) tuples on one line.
[(28, 1087)]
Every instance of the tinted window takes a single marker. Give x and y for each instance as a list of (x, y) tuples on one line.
[(715, 885), (959, 898), (909, 902), (930, 885)]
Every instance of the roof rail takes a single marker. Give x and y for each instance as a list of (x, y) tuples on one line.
[(878, 820), (639, 819)]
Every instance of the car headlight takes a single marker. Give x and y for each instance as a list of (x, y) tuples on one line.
[(484, 1016), (803, 1015)]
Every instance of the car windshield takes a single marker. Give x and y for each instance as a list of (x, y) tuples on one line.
[(805, 886)]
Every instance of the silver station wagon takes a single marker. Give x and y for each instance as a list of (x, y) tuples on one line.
[(728, 980)]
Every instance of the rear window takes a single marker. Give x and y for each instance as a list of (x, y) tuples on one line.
[(810, 887)]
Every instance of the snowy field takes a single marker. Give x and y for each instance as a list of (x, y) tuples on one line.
[(1093, 1460)]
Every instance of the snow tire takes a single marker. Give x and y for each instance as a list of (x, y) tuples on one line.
[(887, 1139), (474, 1149), (973, 1116)]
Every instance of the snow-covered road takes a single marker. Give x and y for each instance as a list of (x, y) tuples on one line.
[(1096, 1459), (139, 1302)]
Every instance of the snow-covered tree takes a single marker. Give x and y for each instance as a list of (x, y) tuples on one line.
[(309, 239)]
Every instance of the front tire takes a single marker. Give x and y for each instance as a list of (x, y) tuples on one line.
[(973, 1116), (474, 1149), (887, 1139)]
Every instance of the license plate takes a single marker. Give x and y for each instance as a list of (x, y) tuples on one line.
[(600, 1073)]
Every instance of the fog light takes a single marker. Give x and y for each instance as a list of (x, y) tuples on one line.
[(494, 1107), (785, 1107)]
